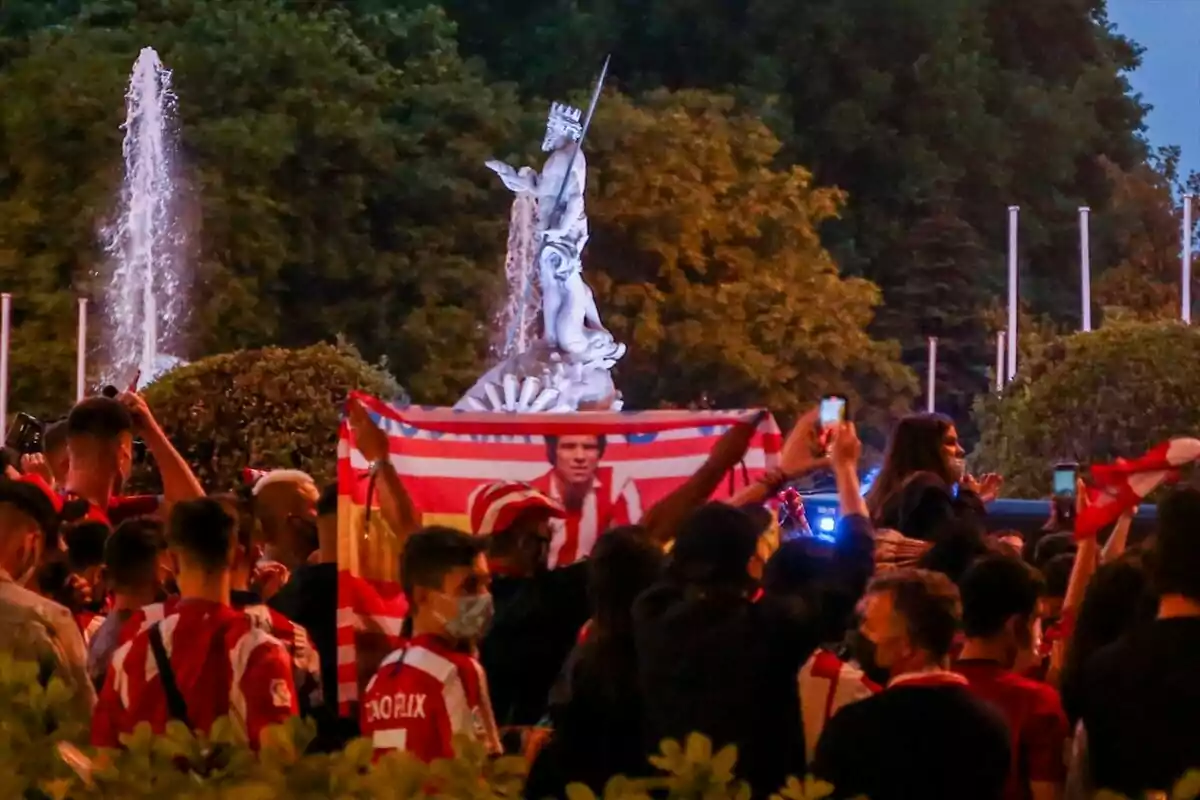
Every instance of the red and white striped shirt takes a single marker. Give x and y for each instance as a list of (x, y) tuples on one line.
[(223, 665), (606, 506), (89, 622), (424, 694), (827, 684), (306, 664)]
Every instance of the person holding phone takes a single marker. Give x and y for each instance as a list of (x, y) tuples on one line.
[(100, 441)]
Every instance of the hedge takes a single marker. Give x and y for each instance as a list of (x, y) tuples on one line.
[(267, 409), (1091, 397), (43, 757)]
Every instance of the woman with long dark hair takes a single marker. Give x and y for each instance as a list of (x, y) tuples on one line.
[(924, 494)]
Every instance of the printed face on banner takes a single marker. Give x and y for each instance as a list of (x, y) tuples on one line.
[(604, 472), (603, 468)]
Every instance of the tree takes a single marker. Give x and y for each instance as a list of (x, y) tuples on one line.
[(333, 172), (904, 105), (706, 261), (268, 409), (1092, 397), (1144, 225), (943, 265)]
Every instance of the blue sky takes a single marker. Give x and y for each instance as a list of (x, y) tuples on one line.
[(1169, 78)]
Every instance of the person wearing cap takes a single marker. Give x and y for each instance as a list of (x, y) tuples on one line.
[(540, 611), (31, 627)]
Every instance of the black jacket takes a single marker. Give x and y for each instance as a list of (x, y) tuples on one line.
[(726, 667)]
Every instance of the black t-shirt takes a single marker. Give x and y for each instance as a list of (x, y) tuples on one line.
[(719, 664), (309, 598), (928, 742), (537, 622), (1140, 699)]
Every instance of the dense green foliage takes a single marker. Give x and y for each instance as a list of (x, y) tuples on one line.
[(932, 115), (42, 759), (749, 167), (333, 183), (1090, 398), (267, 409)]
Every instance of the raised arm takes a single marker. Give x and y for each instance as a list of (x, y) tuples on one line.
[(664, 518), (395, 503), (796, 459), (178, 481)]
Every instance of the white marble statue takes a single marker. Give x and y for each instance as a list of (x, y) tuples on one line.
[(569, 366), (570, 319)]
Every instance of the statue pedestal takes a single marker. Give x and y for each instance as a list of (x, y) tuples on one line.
[(543, 379)]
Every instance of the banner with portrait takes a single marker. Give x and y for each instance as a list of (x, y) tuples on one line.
[(606, 468)]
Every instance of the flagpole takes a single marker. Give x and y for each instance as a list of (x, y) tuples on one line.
[(1000, 361), (5, 340), (1185, 292), (1085, 266), (81, 352), (931, 387), (1013, 212)]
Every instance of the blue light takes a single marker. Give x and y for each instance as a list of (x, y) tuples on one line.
[(826, 524)]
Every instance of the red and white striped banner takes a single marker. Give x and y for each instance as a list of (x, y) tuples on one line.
[(632, 459)]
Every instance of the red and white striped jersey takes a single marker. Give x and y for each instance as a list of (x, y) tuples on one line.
[(424, 694), (89, 622), (306, 665), (826, 685), (223, 665), (606, 506)]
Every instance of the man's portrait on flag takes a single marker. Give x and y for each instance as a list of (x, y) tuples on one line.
[(594, 499)]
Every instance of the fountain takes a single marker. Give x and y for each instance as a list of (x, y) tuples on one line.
[(568, 367), (144, 299)]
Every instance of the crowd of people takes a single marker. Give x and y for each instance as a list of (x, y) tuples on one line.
[(914, 653)]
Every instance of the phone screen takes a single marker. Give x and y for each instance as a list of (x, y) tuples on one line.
[(1064, 481), (833, 411)]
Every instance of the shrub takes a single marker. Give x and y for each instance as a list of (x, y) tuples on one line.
[(41, 759), (266, 408), (1091, 397)]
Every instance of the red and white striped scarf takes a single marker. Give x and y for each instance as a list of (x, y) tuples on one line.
[(1119, 487)]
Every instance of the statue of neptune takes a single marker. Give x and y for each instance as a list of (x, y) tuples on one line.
[(569, 366), (570, 319)]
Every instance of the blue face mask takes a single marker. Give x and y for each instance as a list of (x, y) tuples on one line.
[(472, 617)]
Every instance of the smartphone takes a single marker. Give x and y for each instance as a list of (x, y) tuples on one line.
[(25, 435), (832, 411), (1065, 476)]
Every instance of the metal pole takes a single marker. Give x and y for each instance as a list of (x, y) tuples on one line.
[(1000, 361), (1013, 212), (81, 352), (931, 387), (5, 338), (1085, 266), (1185, 293)]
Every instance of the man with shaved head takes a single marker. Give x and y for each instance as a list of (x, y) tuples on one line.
[(285, 507)]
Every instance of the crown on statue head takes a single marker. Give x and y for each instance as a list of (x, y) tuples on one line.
[(564, 120)]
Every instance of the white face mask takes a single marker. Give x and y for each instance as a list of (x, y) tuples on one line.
[(471, 618), (959, 467)]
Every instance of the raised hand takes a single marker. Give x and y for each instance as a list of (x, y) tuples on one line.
[(987, 487), (372, 442), (801, 452), (845, 447)]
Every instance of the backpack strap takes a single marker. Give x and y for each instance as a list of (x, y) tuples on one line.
[(176, 706)]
